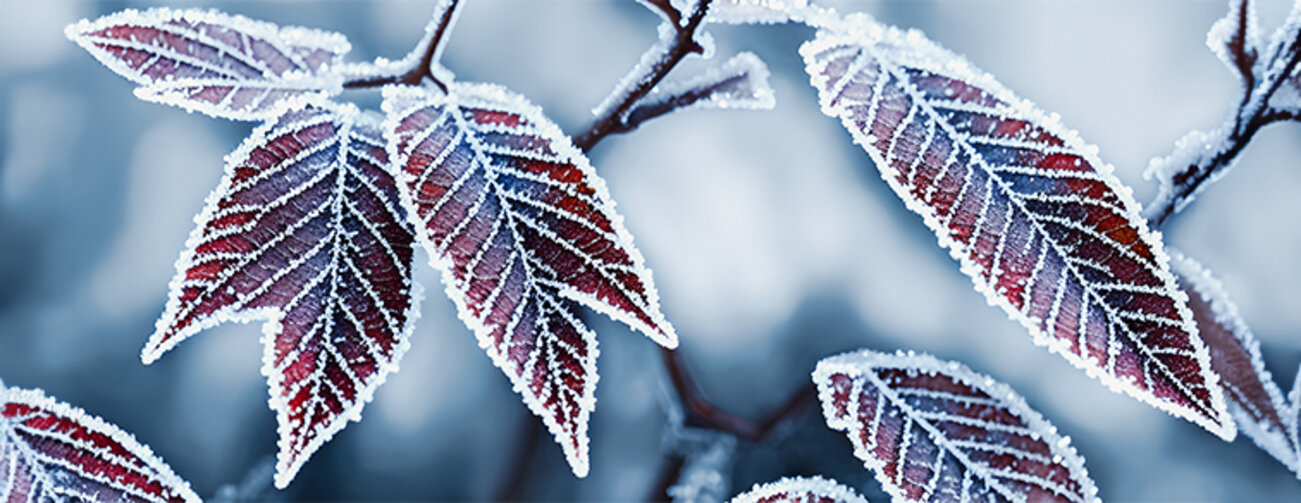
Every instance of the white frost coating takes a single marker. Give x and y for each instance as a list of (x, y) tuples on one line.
[(1276, 443), (862, 367), (399, 102), (893, 48), (153, 466), (707, 471), (1225, 30), (758, 11), (799, 490), (749, 88), (641, 72), (270, 87), (384, 67), (1194, 149), (287, 466), (1294, 397)]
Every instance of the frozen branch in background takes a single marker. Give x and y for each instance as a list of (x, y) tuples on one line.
[(1271, 92), (255, 486), (422, 62), (706, 473)]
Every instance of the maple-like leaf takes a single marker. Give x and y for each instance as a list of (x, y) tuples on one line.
[(1037, 221), (800, 490), (305, 232), (524, 232), (52, 451), (937, 431), (219, 64), (1257, 405)]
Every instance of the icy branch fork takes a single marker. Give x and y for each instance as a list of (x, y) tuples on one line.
[(1035, 218), (306, 233), (524, 232), (932, 430), (222, 65), (52, 451)]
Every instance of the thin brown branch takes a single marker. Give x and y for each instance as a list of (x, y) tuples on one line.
[(703, 413), (614, 118), (424, 68), (647, 111), (1253, 113)]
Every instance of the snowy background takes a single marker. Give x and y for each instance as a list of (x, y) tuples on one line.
[(773, 241)]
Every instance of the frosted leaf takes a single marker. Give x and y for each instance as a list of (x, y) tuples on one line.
[(758, 11), (1035, 218), (933, 430), (800, 490), (52, 451), (305, 233), (741, 82), (706, 470), (524, 233), (1254, 399), (222, 65), (1235, 39), (1294, 418)]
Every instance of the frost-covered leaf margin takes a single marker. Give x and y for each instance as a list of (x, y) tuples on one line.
[(946, 400), (35, 428), (1067, 170), (800, 490), (223, 65), (1257, 405)]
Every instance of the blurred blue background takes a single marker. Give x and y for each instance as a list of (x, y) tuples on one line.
[(773, 241)]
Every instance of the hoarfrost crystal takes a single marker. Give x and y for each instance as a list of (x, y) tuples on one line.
[(800, 490), (1035, 218), (936, 431), (524, 232), (52, 451), (307, 234), (222, 65)]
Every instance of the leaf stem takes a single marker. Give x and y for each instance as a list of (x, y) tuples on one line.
[(614, 119), (433, 43), (702, 413)]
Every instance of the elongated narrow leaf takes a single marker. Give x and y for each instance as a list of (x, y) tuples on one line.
[(222, 65), (52, 451), (1037, 221), (307, 234), (524, 232), (800, 490), (1257, 405), (937, 431)]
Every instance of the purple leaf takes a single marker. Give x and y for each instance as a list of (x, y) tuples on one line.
[(1254, 399), (222, 65), (305, 233), (524, 232), (1036, 219), (800, 490), (52, 451), (936, 431)]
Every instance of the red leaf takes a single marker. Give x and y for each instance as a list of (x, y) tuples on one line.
[(1037, 221), (222, 65), (1257, 405), (51, 451), (524, 232), (306, 232), (937, 431), (800, 490)]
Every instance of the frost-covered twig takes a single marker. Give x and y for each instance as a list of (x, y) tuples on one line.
[(677, 40), (1200, 157), (418, 64), (253, 486)]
